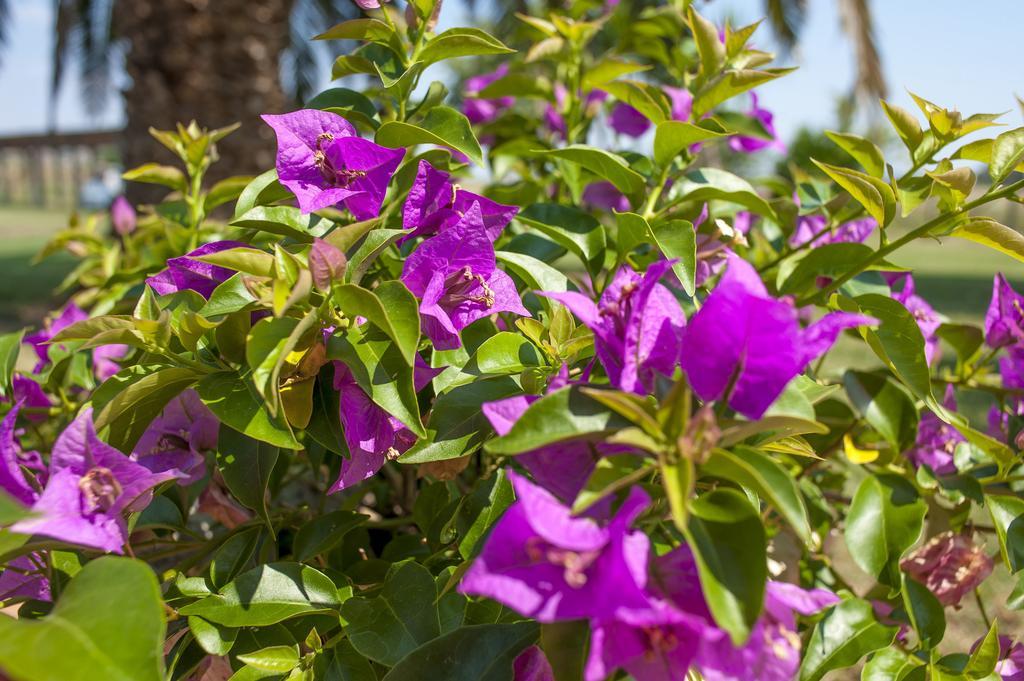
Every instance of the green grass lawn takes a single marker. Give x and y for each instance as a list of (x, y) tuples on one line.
[(26, 290)]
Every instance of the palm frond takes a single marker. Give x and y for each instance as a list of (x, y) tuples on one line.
[(858, 24), (786, 18), (302, 62), (5, 22)]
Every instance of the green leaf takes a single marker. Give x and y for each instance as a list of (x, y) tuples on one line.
[(154, 173), (677, 240), (229, 297), (885, 406), (561, 415), (864, 151), (406, 614), (352, 105), (481, 509), (10, 346), (898, 341), (246, 465), (442, 125), (672, 137), (233, 555), (1008, 518), (985, 657), (242, 259), (461, 42), (565, 646), (144, 395), (281, 220), (269, 594), (728, 542), (844, 636), (212, 638), (608, 69), (576, 231), (267, 346), (264, 189), (274, 659), (1007, 154), (235, 403), (390, 306), (708, 184), (988, 232), (346, 664), (457, 426), (107, 624), (889, 664), (539, 275), (729, 84), (482, 651), (611, 474), (826, 260), (324, 532), (604, 164), (709, 46), (874, 194), (381, 371), (925, 611), (760, 473), (905, 124), (885, 519), (648, 99)]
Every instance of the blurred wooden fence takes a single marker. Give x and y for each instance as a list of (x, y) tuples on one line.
[(49, 170)]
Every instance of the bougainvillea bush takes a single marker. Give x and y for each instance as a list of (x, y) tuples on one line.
[(519, 382)]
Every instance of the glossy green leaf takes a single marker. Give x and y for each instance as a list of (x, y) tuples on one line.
[(482, 651), (708, 184), (760, 473), (874, 194), (863, 151), (730, 83), (442, 125), (10, 345), (898, 341), (604, 164), (905, 124), (1007, 514), (926, 613), (677, 240), (885, 519), (728, 542), (140, 399), (154, 173), (212, 638), (281, 220), (561, 415), (235, 403), (461, 42), (246, 465), (264, 189), (324, 532), (1007, 154), (845, 634), (672, 137), (539, 275), (885, 406), (611, 474), (406, 614), (889, 664), (274, 659), (269, 594), (988, 232), (390, 306), (107, 624), (648, 99), (573, 229), (985, 656)]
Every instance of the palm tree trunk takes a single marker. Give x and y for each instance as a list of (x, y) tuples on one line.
[(212, 61)]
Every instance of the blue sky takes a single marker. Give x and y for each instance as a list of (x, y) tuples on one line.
[(956, 54)]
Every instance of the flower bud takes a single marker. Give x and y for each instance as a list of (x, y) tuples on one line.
[(326, 264), (122, 215)]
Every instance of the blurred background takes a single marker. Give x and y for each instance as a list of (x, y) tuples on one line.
[(84, 79)]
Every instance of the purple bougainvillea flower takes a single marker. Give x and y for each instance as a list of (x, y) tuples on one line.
[(25, 578), (90, 486), (104, 359), (28, 393), (927, 319), (480, 110), (435, 201), (40, 340), (813, 229), (322, 160), (13, 479), (749, 145), (937, 440), (368, 4), (638, 326), (532, 665), (626, 120), (176, 440), (1011, 659), (553, 118), (604, 195), (1011, 368), (772, 653), (950, 565), (373, 436), (544, 563), (186, 272), (455, 275), (1004, 321), (745, 346), (122, 216), (656, 643), (682, 102)]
